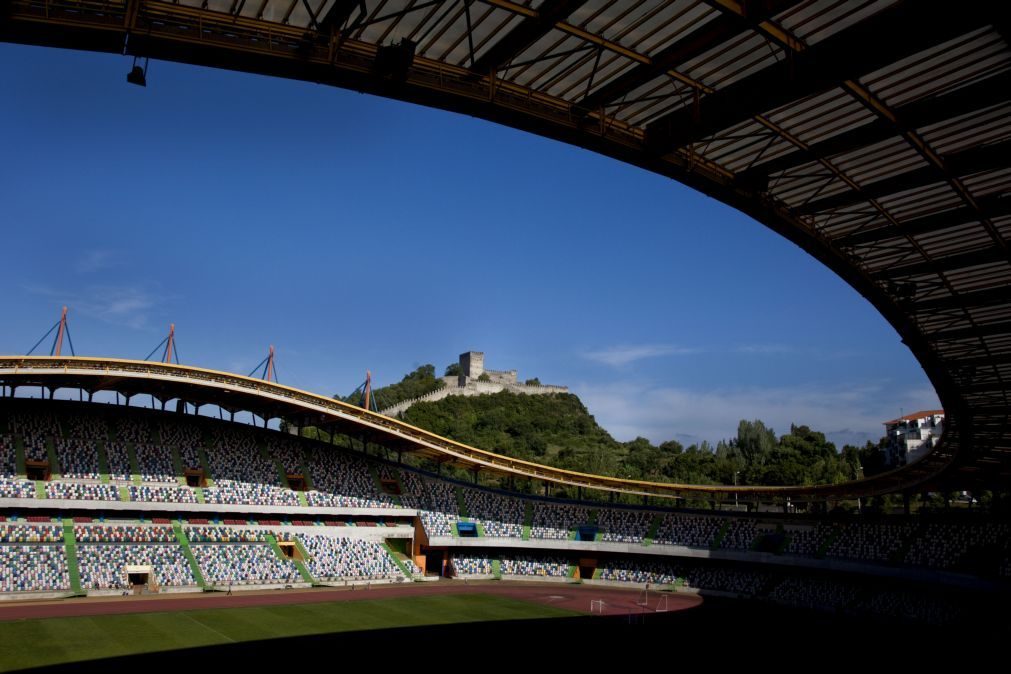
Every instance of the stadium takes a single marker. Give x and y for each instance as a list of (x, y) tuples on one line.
[(872, 135)]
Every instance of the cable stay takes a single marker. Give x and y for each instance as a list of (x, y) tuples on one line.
[(267, 369), (365, 395), (62, 329), (170, 351)]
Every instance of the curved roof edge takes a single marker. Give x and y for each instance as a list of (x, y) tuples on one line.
[(166, 381)]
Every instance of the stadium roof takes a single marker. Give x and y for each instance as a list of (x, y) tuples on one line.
[(874, 134)]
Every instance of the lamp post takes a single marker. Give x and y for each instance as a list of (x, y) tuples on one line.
[(735, 484)]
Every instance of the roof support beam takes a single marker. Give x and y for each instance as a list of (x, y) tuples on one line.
[(530, 29), (828, 64), (915, 115), (944, 264), (973, 160), (992, 207), (979, 298), (724, 27), (970, 333)]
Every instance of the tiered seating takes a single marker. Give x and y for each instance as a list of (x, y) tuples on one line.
[(162, 494), (82, 491), (35, 431), (155, 462), (642, 571), (556, 521), (726, 579), (413, 494), (467, 564), (413, 567), (8, 456), (807, 541), (444, 510), (231, 492), (500, 516), (118, 459), (243, 476), (132, 430), (623, 526), (693, 531), (287, 453), (85, 426), (124, 533), (10, 485), (224, 535), (249, 564), (347, 558), (103, 566), (180, 434), (870, 541), (814, 593), (12, 488), (78, 458), (547, 566), (905, 605), (741, 534), (342, 481), (31, 533), (33, 568), (951, 545)]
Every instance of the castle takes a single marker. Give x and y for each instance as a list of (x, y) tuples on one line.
[(474, 380)]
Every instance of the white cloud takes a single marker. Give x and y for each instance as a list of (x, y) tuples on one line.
[(127, 306), (618, 356), (628, 410)]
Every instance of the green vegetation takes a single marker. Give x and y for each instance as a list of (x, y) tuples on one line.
[(35, 643), (418, 383), (558, 430)]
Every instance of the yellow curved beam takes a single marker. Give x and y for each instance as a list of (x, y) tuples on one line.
[(15, 367)]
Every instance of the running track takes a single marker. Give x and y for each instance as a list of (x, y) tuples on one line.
[(574, 597)]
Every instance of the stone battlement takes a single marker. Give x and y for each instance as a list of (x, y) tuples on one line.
[(470, 383)]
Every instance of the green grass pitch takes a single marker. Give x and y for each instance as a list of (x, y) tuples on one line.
[(33, 643)]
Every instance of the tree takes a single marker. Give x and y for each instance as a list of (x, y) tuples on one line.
[(452, 370), (484, 376), (533, 382)]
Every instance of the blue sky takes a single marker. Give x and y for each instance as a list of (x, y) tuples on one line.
[(354, 232)]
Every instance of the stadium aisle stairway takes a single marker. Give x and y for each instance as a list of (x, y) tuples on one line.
[(304, 572), (70, 544), (177, 528)]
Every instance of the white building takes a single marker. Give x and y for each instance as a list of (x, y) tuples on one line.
[(912, 436)]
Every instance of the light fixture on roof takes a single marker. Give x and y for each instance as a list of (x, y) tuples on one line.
[(138, 75)]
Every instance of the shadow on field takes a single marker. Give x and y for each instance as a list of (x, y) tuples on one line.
[(717, 633)]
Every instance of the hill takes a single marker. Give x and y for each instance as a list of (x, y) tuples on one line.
[(558, 430)]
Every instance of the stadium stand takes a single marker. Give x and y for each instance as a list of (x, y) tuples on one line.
[(543, 566), (556, 522), (468, 564), (624, 526), (243, 564), (500, 516), (78, 458), (124, 533), (118, 459), (104, 566), (83, 491), (33, 568), (343, 481), (155, 463), (161, 494), (693, 531), (333, 559)]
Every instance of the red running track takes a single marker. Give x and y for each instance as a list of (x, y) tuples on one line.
[(574, 597)]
